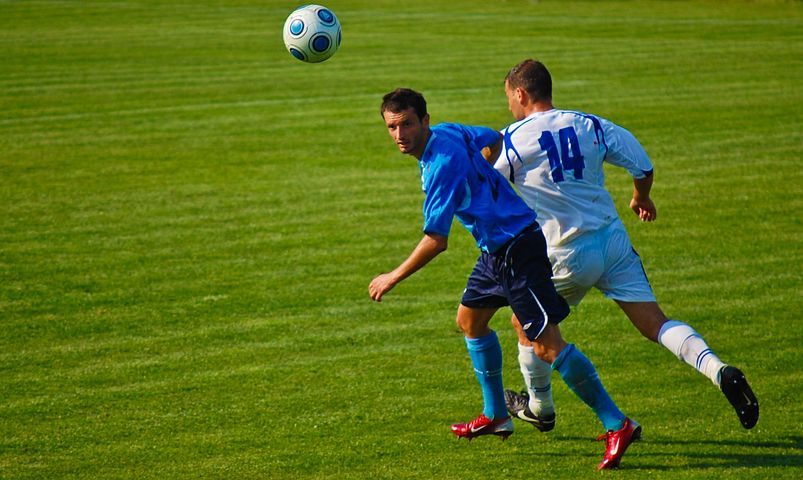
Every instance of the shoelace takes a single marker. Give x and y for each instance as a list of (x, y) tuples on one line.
[(605, 436)]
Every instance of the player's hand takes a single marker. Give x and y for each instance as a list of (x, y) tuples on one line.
[(644, 208), (380, 285)]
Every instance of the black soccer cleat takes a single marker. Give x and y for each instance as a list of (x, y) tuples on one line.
[(519, 406), (738, 392)]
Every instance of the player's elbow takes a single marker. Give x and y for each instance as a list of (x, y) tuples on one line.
[(439, 242)]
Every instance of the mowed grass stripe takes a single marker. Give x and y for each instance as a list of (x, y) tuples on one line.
[(190, 218)]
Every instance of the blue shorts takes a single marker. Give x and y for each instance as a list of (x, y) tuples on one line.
[(518, 274)]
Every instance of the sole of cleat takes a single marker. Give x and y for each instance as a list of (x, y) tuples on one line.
[(741, 397)]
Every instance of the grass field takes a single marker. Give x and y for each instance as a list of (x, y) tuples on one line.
[(189, 220)]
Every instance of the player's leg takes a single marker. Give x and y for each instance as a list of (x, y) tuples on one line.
[(625, 281), (481, 298), (647, 317), (582, 378), (486, 357), (579, 374), (534, 405), (689, 346), (539, 308), (677, 337), (575, 269)]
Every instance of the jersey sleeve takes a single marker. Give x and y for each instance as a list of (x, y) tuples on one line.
[(480, 137), (446, 189), (624, 150)]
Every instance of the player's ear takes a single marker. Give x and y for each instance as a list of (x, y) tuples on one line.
[(425, 121)]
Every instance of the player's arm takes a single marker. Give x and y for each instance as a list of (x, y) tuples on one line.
[(641, 203), (625, 150), (428, 248), (491, 152)]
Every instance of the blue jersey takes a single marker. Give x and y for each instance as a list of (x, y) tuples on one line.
[(458, 181)]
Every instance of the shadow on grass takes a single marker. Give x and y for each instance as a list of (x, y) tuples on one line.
[(698, 454)]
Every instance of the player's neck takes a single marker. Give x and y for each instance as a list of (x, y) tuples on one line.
[(419, 152), (536, 107)]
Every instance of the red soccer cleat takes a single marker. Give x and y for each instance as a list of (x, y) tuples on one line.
[(616, 443), (483, 425)]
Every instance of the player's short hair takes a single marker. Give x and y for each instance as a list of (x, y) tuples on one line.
[(533, 77), (401, 99)]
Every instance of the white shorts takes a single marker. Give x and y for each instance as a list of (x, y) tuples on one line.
[(604, 259)]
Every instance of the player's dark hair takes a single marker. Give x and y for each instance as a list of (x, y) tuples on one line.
[(533, 77), (401, 99)]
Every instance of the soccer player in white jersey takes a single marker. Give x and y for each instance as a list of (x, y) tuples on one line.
[(555, 158)]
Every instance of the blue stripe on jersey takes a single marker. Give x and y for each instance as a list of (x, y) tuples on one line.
[(597, 129), (600, 134), (508, 143)]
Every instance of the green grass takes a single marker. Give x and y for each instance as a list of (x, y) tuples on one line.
[(189, 220)]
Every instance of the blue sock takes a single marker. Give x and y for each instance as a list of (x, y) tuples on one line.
[(486, 355), (581, 376)]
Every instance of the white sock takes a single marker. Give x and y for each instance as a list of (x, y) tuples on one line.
[(537, 375), (689, 346)]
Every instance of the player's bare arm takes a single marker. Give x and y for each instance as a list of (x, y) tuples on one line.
[(641, 203), (428, 248)]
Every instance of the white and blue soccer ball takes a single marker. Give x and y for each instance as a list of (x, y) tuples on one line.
[(312, 33)]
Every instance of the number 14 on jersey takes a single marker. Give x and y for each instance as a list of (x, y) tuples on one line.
[(569, 157)]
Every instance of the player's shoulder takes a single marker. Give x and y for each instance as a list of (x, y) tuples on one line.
[(446, 137), (458, 138), (447, 132), (446, 144), (460, 132), (578, 116), (586, 121)]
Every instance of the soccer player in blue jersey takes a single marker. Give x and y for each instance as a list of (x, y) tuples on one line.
[(555, 158), (512, 269)]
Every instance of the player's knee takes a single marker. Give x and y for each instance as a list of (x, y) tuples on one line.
[(650, 326), (549, 344), (544, 353), (461, 324), (519, 331), (647, 317), (469, 328)]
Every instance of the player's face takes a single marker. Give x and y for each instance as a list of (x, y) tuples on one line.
[(408, 131), (514, 102)]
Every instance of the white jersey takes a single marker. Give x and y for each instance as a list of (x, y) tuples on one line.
[(555, 160)]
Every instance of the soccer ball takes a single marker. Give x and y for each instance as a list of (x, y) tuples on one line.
[(312, 33)]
